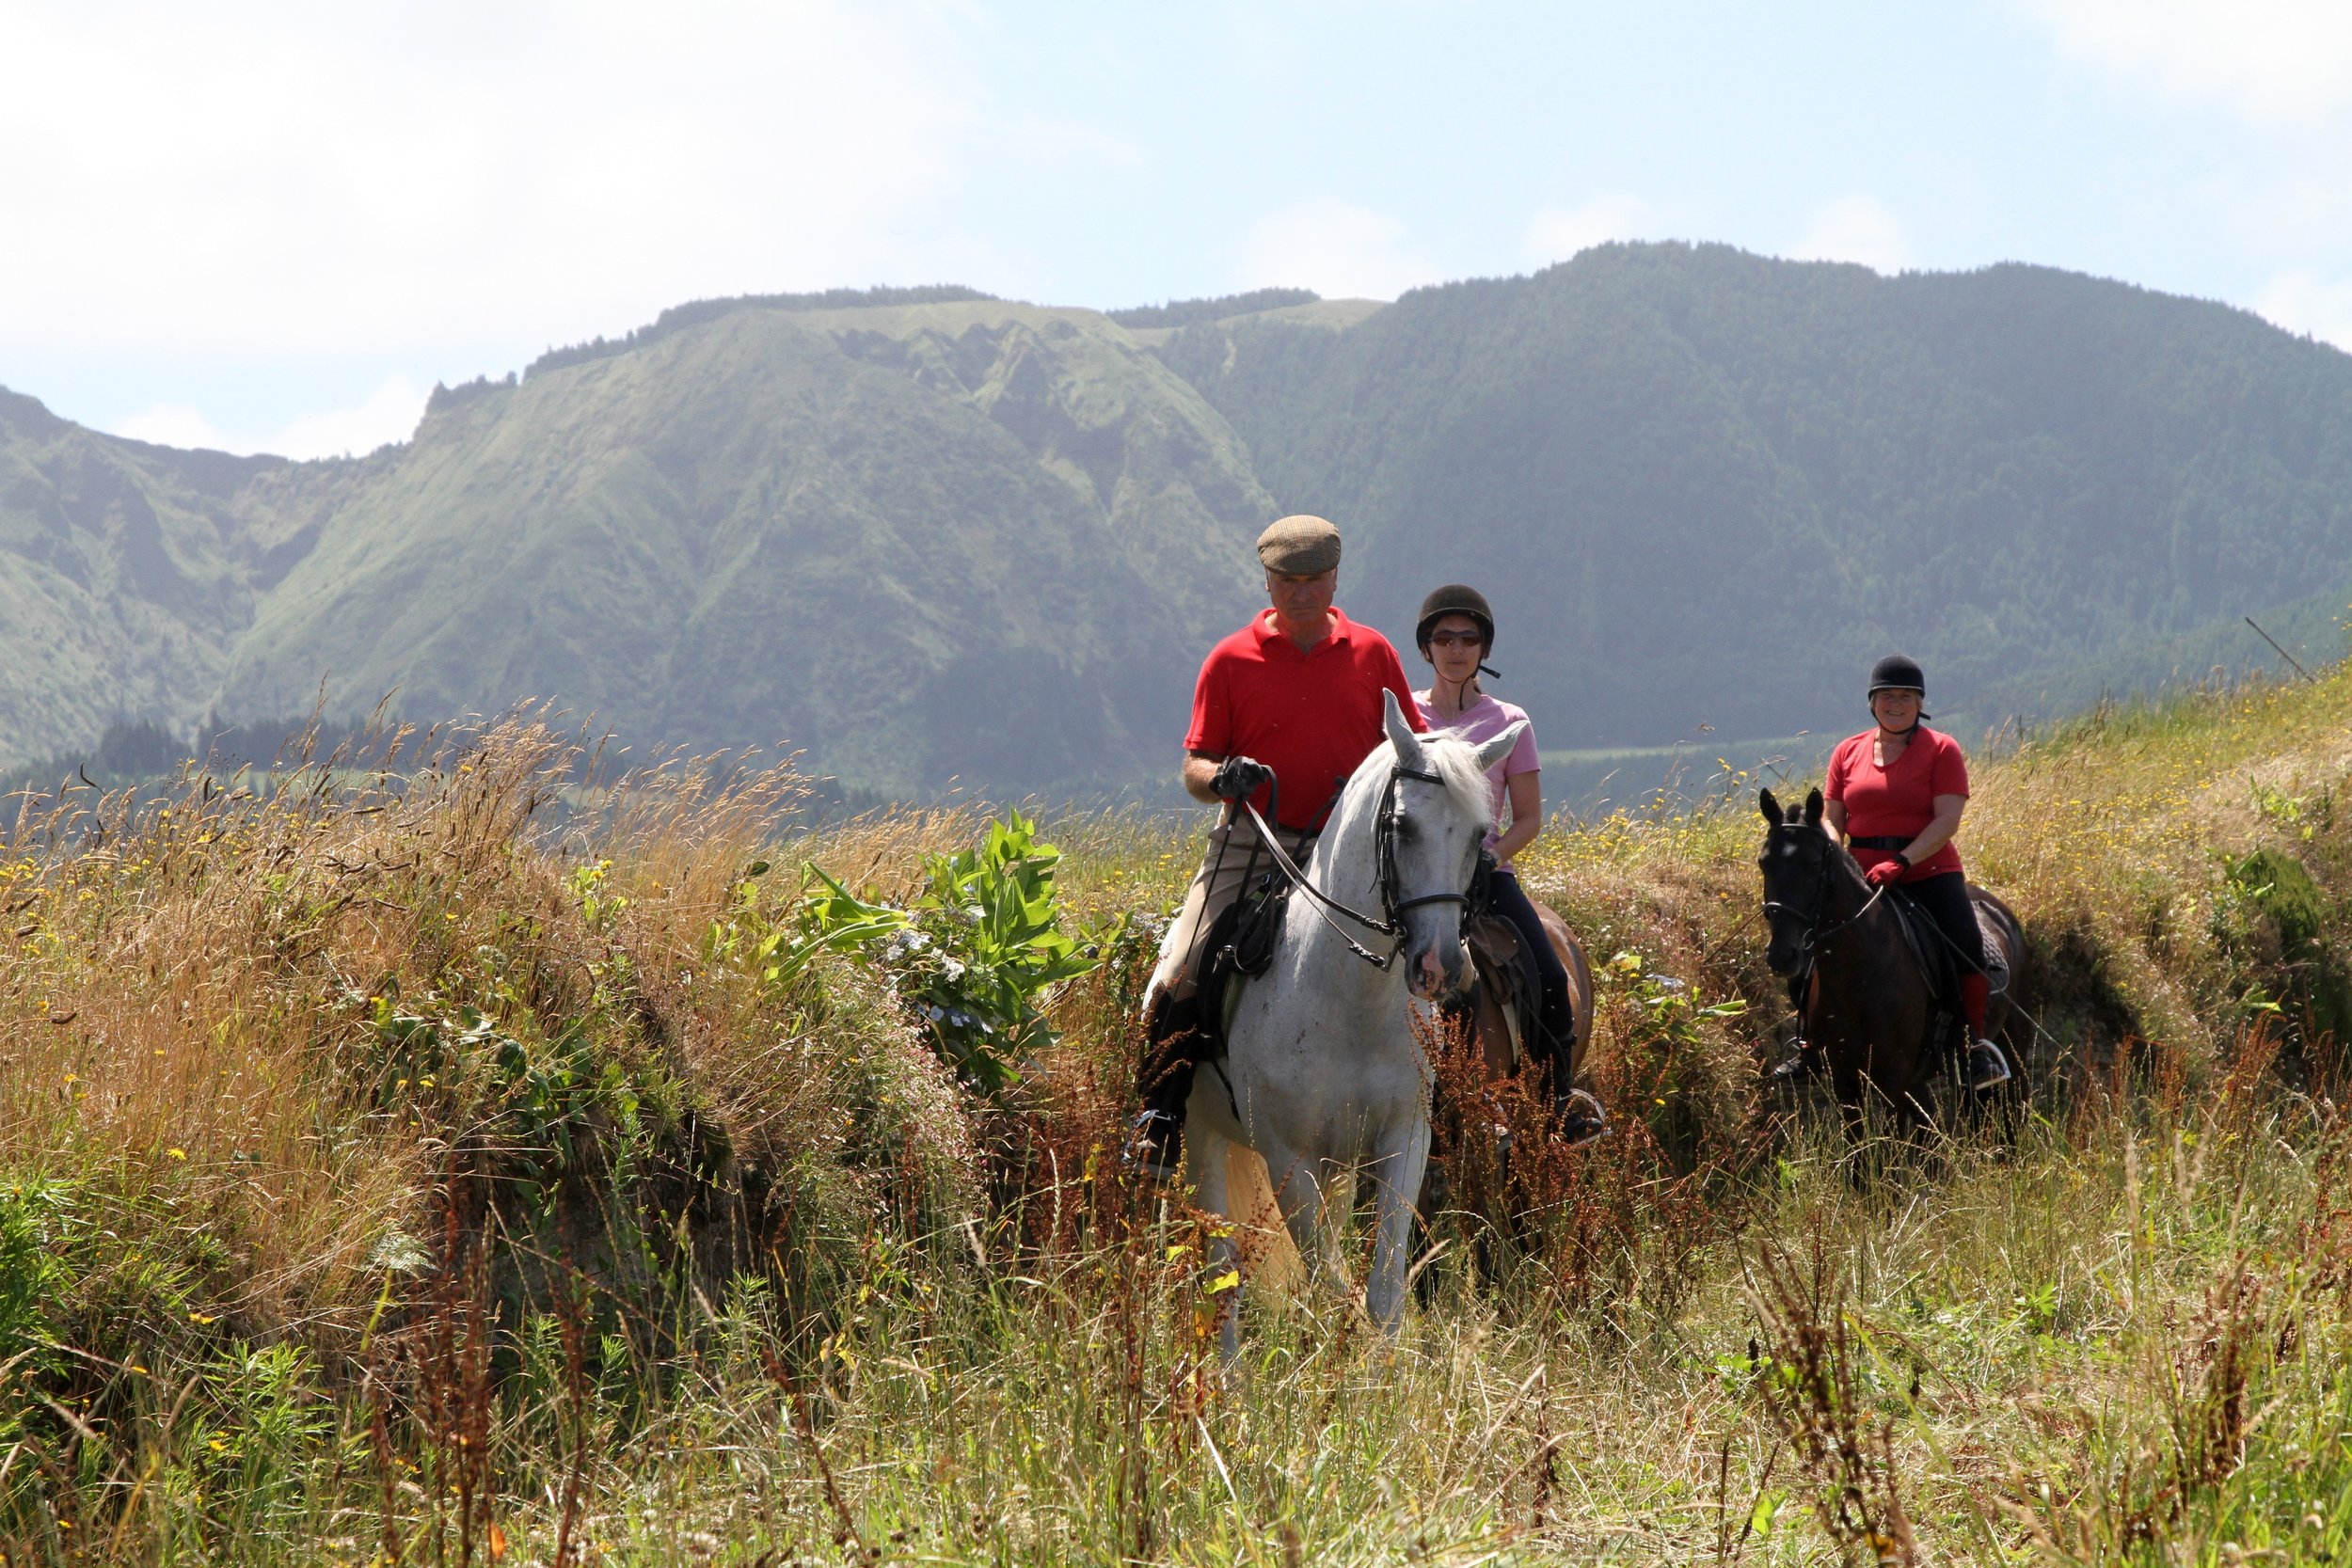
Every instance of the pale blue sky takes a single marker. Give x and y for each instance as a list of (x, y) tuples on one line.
[(276, 224)]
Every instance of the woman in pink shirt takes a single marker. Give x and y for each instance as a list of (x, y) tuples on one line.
[(1456, 632)]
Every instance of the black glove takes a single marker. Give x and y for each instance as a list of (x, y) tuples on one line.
[(1239, 778)]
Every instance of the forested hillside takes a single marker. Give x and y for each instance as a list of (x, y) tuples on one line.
[(973, 540), (124, 577), (1704, 486), (925, 534)]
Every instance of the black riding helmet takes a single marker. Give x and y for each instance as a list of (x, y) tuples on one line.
[(1899, 672), (1457, 598)]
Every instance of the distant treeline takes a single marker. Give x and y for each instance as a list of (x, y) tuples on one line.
[(141, 755), (134, 752), (694, 312), (1184, 312)]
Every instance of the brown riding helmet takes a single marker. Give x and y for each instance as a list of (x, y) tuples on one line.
[(1454, 599)]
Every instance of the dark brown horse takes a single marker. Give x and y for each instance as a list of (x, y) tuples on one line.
[(1869, 1005)]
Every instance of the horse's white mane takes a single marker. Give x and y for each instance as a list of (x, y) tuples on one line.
[(1451, 758), (1455, 761)]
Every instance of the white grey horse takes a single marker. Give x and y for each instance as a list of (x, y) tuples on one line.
[(1322, 1073)]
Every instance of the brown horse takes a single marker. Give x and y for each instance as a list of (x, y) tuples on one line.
[(1868, 1003), (1502, 1034), (1469, 1162)]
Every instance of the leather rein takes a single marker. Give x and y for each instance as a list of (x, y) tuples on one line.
[(1387, 923), (1809, 941)]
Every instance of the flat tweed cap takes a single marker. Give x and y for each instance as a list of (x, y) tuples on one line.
[(1299, 545)]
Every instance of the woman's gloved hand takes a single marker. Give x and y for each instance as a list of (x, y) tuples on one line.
[(1239, 778), (1886, 871)]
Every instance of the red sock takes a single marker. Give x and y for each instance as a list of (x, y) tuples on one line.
[(1976, 994)]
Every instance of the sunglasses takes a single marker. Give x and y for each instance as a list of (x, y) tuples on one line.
[(1456, 639)]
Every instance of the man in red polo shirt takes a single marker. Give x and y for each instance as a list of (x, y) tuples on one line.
[(1283, 711)]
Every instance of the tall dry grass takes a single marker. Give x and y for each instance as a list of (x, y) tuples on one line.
[(392, 1163)]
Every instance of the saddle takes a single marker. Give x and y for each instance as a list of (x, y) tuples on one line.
[(1935, 956), (1238, 948), (1506, 970), (1927, 943)]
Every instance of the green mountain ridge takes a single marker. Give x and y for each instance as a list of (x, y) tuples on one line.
[(927, 535), (126, 576), (916, 541), (1708, 487)]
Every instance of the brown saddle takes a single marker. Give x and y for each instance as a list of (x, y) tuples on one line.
[(1507, 972)]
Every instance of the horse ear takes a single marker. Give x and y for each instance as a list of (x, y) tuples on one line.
[(1401, 735), (1813, 808), (1500, 747), (1769, 807)]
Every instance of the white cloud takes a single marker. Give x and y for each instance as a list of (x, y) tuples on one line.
[(1340, 251), (272, 177), (1854, 229), (173, 424), (387, 414), (1557, 234), (2303, 302), (2269, 60)]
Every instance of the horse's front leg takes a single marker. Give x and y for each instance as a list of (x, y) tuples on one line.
[(1396, 1175), (1298, 1192), (1206, 1156)]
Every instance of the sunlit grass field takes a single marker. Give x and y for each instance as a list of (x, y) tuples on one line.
[(473, 1159)]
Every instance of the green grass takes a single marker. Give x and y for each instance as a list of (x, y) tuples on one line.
[(380, 1178)]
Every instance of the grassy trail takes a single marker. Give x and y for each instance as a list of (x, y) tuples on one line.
[(386, 1175)]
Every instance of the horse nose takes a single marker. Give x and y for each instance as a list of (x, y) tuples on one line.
[(1437, 972), (1429, 974)]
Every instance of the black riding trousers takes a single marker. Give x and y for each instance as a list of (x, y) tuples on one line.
[(1511, 902), (1944, 896)]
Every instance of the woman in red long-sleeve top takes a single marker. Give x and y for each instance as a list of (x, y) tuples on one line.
[(1894, 794)]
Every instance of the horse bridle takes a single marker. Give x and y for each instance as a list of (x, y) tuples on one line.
[(1810, 938), (1385, 877)]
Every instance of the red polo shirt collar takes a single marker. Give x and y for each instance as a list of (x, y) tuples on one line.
[(1268, 630)]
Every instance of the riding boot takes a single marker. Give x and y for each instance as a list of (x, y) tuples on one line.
[(1156, 1149), (1577, 1116), (1988, 1067)]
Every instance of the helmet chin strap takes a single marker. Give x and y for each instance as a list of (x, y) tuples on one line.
[(1919, 718), (1461, 687)]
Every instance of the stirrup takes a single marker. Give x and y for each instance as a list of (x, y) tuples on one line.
[(1577, 1117), (1803, 1062), (1988, 1066), (1155, 1146)]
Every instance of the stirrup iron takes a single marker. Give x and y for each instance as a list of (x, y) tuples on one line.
[(1988, 1066), (1155, 1146)]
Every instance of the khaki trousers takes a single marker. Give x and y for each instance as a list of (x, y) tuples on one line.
[(1227, 867)]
